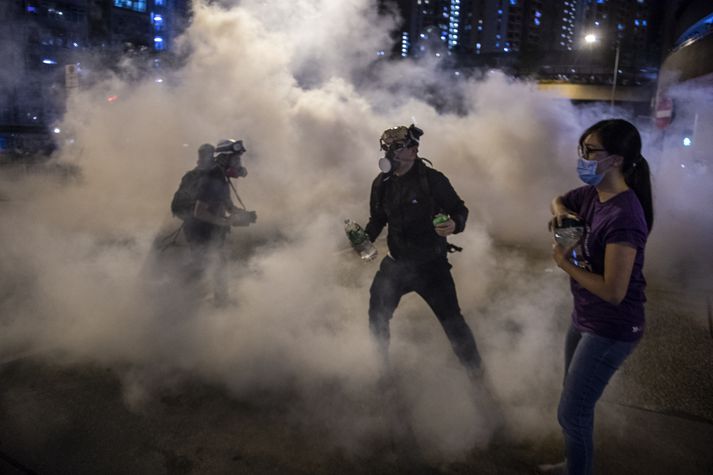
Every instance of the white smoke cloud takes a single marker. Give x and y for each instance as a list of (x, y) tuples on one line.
[(297, 82)]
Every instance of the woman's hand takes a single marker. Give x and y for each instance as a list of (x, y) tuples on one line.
[(561, 254), (559, 212), (556, 220)]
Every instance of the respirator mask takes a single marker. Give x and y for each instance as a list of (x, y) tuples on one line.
[(235, 168), (388, 162), (394, 140), (228, 154)]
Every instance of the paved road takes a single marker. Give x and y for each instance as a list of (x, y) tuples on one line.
[(656, 418)]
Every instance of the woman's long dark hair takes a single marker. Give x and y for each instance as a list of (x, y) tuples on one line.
[(620, 137)]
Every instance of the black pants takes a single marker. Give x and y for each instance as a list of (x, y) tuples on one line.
[(434, 283), (208, 256)]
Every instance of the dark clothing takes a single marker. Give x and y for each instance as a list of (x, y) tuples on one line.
[(417, 260), (214, 191), (408, 204), (435, 285), (619, 220), (207, 240)]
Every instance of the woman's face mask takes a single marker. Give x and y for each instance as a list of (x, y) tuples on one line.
[(587, 169)]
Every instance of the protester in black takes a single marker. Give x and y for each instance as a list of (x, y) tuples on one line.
[(407, 196), (214, 213)]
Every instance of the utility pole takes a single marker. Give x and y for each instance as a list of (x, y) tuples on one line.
[(616, 75)]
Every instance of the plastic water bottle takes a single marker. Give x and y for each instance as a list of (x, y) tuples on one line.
[(569, 233), (359, 240)]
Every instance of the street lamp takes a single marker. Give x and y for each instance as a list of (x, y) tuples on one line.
[(591, 38)]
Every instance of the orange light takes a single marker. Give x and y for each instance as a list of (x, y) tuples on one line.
[(112, 98)]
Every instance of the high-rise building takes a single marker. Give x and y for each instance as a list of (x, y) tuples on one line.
[(38, 39), (537, 37), (48, 46)]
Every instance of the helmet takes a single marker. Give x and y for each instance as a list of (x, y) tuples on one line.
[(400, 137), (227, 156), (230, 147)]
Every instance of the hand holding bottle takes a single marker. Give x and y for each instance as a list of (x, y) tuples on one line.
[(360, 240), (444, 225)]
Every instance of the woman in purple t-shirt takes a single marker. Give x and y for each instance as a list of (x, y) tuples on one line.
[(605, 269)]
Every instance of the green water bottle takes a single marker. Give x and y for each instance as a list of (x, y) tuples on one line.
[(359, 240)]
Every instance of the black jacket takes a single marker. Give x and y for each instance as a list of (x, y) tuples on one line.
[(213, 189), (408, 204)]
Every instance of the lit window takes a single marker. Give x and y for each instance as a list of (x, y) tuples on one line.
[(136, 5)]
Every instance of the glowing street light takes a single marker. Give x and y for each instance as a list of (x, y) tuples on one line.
[(590, 38)]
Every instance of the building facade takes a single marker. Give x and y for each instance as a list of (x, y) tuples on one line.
[(539, 38), (49, 47)]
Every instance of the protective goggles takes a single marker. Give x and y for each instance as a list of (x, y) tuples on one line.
[(394, 139)]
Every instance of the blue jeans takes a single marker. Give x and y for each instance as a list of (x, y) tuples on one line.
[(590, 361)]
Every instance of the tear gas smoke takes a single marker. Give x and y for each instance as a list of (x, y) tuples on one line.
[(298, 83)]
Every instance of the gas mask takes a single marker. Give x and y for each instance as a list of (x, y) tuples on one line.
[(388, 163), (235, 168), (394, 140), (228, 154)]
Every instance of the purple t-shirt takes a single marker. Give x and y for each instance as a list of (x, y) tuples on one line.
[(619, 220)]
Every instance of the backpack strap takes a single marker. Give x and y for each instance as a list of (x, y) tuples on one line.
[(423, 177), (377, 193), (425, 185)]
